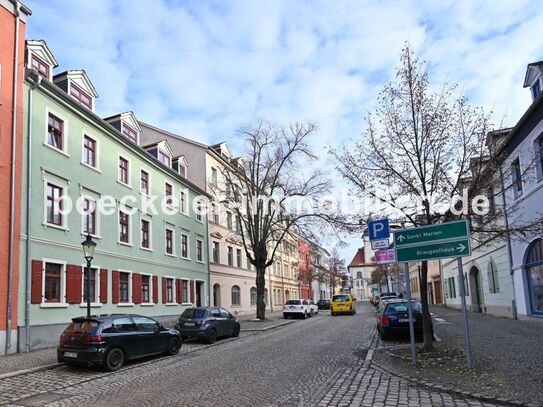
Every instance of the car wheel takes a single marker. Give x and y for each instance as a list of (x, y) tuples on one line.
[(333, 313), (114, 359), (285, 316), (304, 316), (235, 332), (212, 336), (173, 346)]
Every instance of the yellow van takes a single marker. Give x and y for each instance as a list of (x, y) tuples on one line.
[(343, 304)]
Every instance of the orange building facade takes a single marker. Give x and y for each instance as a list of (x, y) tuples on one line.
[(13, 16)]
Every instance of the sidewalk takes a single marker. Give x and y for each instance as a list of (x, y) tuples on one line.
[(507, 357)]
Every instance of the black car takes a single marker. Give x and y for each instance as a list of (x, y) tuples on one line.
[(323, 304), (110, 340), (208, 323), (393, 319)]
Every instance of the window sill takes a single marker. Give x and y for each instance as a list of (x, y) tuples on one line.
[(187, 303), (171, 304), (125, 244), (200, 261), (147, 249), (92, 235), (52, 225), (186, 258), (147, 304), (91, 167), (170, 255), (124, 185), (53, 305), (93, 305), (64, 153), (125, 304)]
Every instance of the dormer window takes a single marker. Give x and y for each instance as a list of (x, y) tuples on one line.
[(80, 96), (534, 79), (536, 89), (130, 133), (164, 158), (183, 170), (40, 66), (181, 166)]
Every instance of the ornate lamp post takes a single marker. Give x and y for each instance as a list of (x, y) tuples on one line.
[(88, 250)]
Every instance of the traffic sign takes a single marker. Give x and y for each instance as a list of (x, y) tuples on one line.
[(452, 248), (431, 233), (385, 256), (378, 229)]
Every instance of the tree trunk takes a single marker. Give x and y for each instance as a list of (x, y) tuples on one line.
[(260, 292), (426, 319)]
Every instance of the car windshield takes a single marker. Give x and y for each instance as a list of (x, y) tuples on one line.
[(293, 302), (340, 298), (401, 308), (82, 326), (194, 313), (386, 295)]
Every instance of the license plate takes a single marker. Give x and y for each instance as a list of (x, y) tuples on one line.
[(403, 320), (291, 306), (190, 324), (70, 354)]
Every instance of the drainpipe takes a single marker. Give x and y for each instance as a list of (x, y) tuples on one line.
[(28, 273), (509, 250), (9, 311), (209, 288)]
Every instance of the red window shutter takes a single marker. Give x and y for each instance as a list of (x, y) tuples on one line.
[(114, 286), (191, 291), (136, 288), (74, 276), (155, 289), (37, 281), (179, 291), (103, 286), (164, 290)]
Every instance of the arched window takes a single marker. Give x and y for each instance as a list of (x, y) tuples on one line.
[(359, 275), (534, 269), (493, 280), (236, 295), (253, 296)]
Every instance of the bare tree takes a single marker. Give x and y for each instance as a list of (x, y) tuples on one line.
[(417, 150), (274, 177), (336, 269)]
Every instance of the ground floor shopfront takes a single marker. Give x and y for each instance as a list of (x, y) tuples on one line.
[(528, 277)]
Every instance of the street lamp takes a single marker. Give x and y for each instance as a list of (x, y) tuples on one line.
[(88, 250)]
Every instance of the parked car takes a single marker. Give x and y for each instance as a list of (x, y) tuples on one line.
[(393, 318), (343, 304), (111, 340), (313, 309), (296, 308), (323, 304), (386, 297), (208, 323)]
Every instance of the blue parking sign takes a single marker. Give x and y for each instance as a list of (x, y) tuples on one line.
[(378, 229)]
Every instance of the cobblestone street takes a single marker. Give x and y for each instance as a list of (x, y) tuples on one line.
[(319, 361)]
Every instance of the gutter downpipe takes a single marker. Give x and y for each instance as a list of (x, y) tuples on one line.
[(509, 250), (9, 311)]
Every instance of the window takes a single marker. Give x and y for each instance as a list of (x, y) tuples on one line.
[(170, 294), (168, 193), (248, 263), (185, 287), (539, 155), (169, 241), (534, 271), (253, 296), (53, 282), (54, 204), (124, 227), (184, 246), (40, 66), (80, 96), (93, 287), (238, 224), (89, 216), (236, 296), (199, 210), (214, 213), (164, 158), (55, 129), (516, 176), (124, 286), (89, 151), (493, 278), (199, 250), (145, 324), (536, 89), (182, 169), (216, 253), (144, 182), (130, 133), (123, 170), (214, 177), (183, 202), (145, 234), (230, 256), (145, 288), (238, 258), (229, 220)]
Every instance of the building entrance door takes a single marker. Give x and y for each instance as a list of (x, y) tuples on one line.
[(216, 295)]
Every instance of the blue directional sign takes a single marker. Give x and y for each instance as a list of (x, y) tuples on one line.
[(378, 229)]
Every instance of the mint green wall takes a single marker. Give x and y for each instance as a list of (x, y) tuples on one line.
[(52, 243)]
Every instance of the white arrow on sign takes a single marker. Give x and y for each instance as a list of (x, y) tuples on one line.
[(461, 247), (401, 238)]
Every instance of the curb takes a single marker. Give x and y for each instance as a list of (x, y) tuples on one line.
[(30, 370), (267, 328)]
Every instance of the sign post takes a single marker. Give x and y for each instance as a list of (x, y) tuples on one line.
[(464, 312), (410, 316)]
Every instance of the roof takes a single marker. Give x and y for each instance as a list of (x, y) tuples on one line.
[(358, 259), (529, 70)]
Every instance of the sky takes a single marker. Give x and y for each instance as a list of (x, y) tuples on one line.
[(203, 69)]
